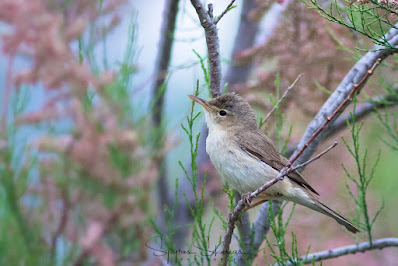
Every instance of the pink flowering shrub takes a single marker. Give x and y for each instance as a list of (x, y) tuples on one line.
[(95, 185)]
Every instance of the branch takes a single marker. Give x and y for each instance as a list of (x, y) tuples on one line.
[(299, 166), (351, 249), (213, 47), (158, 93), (356, 74), (224, 12), (361, 111), (244, 228)]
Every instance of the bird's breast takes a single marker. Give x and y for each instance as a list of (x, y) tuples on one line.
[(243, 172)]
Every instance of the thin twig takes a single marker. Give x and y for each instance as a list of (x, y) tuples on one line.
[(314, 158), (224, 12), (280, 100), (286, 170), (346, 250)]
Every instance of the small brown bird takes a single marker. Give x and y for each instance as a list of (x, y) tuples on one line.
[(247, 158)]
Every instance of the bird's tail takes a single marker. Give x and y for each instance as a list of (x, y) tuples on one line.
[(318, 206)]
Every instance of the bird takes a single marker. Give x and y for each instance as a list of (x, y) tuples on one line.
[(246, 158)]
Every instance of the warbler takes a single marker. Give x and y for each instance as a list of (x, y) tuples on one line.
[(247, 158)]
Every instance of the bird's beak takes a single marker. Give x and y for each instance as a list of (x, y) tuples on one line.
[(201, 102)]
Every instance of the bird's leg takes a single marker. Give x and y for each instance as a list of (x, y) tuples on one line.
[(254, 205)]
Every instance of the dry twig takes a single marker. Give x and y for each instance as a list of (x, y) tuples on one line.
[(224, 12), (280, 100), (299, 166)]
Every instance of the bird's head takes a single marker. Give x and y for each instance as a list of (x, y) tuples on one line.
[(228, 112)]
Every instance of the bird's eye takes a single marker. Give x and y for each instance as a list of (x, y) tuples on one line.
[(223, 113)]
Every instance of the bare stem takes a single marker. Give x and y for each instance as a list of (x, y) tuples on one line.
[(314, 158), (351, 249), (280, 100), (224, 12)]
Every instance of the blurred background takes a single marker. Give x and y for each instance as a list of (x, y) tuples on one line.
[(96, 168)]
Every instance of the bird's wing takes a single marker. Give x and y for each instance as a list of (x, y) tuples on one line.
[(259, 143)]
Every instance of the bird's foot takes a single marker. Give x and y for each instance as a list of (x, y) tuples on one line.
[(247, 199)]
